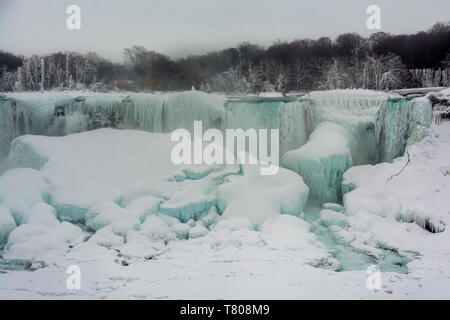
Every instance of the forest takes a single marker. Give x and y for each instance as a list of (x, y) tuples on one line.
[(380, 62)]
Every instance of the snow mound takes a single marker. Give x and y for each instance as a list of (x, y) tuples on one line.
[(22, 188), (42, 236), (261, 197), (287, 232)]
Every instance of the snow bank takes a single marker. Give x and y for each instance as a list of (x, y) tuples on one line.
[(411, 189), (322, 161), (122, 166)]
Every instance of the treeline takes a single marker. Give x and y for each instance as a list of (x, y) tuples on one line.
[(381, 62), (60, 71)]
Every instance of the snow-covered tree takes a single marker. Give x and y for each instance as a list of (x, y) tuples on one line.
[(230, 81), (299, 73), (335, 77), (8, 81)]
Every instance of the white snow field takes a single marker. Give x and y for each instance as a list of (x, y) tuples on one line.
[(88, 181)]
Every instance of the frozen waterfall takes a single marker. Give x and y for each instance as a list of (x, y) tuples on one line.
[(123, 187), (379, 125)]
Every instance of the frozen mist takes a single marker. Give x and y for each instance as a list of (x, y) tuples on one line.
[(87, 180)]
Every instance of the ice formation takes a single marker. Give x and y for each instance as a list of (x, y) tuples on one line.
[(62, 114), (30, 113), (114, 190), (288, 117), (360, 126), (322, 161), (344, 199), (381, 123)]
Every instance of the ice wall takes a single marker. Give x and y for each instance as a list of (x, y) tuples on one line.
[(58, 114), (392, 129), (419, 120), (167, 112), (379, 123), (159, 112), (32, 115), (401, 123), (150, 112), (288, 117)]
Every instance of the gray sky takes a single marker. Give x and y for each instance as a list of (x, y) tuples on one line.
[(182, 27)]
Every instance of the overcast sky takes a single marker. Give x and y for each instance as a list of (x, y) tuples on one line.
[(182, 27)]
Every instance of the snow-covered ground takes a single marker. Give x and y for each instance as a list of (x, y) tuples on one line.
[(111, 202)]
